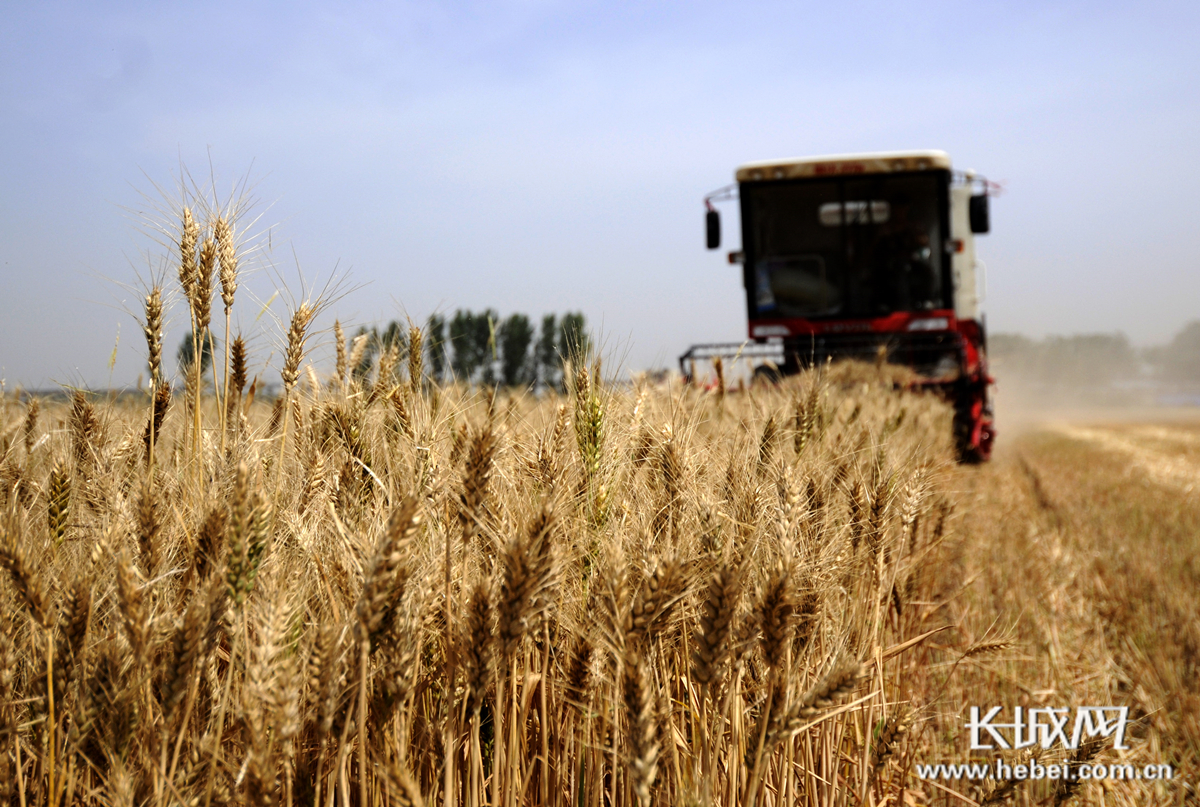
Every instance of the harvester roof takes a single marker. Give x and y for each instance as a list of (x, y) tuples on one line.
[(881, 162)]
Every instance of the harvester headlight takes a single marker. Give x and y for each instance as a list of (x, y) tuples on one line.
[(929, 324)]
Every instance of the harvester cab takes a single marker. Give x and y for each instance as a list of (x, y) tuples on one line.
[(863, 256)]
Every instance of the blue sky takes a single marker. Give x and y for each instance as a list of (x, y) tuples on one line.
[(549, 156)]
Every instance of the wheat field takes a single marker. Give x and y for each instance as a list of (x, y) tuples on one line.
[(377, 589)]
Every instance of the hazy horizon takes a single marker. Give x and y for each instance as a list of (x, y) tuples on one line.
[(543, 157)]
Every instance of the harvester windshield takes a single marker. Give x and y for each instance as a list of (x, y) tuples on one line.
[(850, 246)]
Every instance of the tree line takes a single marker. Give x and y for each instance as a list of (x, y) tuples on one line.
[(473, 347), (482, 348), (1098, 358)]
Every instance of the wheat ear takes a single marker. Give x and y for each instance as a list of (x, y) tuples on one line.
[(237, 379), (715, 632), (642, 722), (131, 602), (341, 367), (386, 570), (652, 608), (158, 411), (149, 527), (776, 611), (416, 370), (841, 679), (713, 646), (891, 733), (528, 573), (29, 585), (296, 337), (59, 510), (31, 419), (227, 252), (153, 331), (202, 294), (476, 479)]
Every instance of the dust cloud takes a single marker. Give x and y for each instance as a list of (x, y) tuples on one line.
[(1093, 378)]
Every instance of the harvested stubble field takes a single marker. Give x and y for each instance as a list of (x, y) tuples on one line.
[(379, 589), (1086, 536)]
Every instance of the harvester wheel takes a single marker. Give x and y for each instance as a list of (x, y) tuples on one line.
[(973, 429)]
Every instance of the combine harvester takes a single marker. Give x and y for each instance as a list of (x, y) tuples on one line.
[(864, 256)]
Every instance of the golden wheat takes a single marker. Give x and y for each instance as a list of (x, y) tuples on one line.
[(717, 598)]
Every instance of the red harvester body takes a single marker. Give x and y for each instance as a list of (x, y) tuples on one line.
[(865, 256)]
